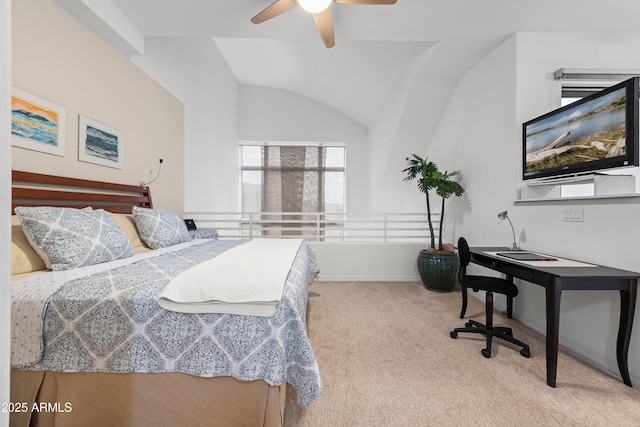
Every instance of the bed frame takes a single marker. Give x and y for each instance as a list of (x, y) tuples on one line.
[(35, 189), (128, 399)]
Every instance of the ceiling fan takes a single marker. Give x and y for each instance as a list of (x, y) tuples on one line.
[(320, 9)]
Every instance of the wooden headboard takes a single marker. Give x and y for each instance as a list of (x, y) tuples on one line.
[(35, 189)]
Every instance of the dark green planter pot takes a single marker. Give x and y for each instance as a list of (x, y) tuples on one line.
[(438, 271)]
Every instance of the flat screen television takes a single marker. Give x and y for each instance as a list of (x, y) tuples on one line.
[(594, 133)]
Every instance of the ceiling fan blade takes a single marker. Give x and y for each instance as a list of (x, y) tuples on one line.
[(366, 1), (324, 22), (277, 8)]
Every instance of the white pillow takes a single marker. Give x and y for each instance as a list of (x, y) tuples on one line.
[(68, 238), (160, 228)]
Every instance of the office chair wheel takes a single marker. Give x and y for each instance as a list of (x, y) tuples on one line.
[(525, 352), (486, 353), (453, 334), (468, 324)]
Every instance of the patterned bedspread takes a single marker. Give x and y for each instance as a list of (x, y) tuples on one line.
[(108, 320)]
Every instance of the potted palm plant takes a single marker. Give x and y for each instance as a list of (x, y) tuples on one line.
[(437, 265)]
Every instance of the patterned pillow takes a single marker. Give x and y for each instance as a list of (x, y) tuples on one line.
[(160, 228), (68, 238)]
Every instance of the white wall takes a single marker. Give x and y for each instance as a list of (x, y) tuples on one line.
[(195, 72), (476, 136), (367, 261), (383, 138), (404, 124), (267, 114), (5, 202), (480, 134)]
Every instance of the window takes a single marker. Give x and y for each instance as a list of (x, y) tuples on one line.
[(572, 91), (293, 178), (576, 83)]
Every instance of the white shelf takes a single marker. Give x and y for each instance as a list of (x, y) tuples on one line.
[(596, 186), (566, 199)]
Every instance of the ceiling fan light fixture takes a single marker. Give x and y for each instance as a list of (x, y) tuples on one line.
[(314, 6)]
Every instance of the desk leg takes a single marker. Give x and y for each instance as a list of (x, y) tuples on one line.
[(627, 309), (553, 293), (509, 299)]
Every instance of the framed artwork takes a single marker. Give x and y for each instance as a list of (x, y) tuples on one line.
[(37, 124), (99, 144)]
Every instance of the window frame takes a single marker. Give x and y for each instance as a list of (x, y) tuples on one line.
[(580, 88), (576, 90)]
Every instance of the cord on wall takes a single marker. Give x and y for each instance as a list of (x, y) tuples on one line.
[(144, 184)]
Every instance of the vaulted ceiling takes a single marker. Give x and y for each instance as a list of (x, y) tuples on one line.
[(373, 42)]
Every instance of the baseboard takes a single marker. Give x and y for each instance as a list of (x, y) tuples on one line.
[(323, 278)]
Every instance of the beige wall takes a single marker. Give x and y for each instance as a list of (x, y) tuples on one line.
[(58, 59)]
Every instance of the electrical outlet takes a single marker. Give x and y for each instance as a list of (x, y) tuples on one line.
[(573, 215)]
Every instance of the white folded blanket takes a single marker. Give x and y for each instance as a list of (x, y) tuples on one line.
[(248, 279)]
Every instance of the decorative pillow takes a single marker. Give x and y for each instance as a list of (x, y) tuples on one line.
[(68, 238), (160, 228)]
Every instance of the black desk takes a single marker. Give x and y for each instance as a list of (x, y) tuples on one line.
[(557, 279)]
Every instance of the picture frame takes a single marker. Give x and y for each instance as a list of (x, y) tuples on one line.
[(99, 144), (37, 124)]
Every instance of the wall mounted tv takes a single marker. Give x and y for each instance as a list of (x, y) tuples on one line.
[(595, 133)]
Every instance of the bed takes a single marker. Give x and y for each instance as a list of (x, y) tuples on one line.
[(91, 344)]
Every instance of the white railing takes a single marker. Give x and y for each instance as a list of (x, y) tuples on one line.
[(318, 226)]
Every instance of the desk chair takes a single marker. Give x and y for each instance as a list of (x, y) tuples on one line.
[(490, 285), (509, 311)]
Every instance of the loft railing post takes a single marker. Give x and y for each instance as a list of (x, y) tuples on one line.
[(385, 219), (250, 226)]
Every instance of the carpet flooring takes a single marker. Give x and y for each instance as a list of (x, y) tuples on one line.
[(387, 359)]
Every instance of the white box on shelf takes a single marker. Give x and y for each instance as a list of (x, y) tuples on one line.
[(607, 185), (551, 191)]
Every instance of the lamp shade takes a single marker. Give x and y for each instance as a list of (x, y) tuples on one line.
[(314, 6)]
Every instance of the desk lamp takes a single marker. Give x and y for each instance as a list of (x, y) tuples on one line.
[(503, 215)]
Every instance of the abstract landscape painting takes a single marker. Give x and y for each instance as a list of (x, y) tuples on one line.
[(99, 144), (37, 124)]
